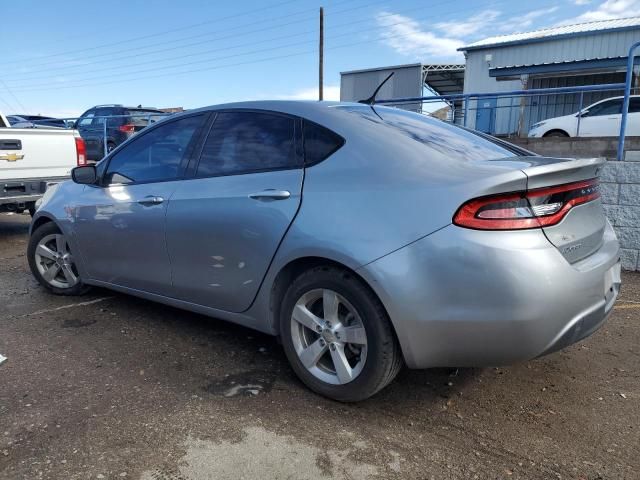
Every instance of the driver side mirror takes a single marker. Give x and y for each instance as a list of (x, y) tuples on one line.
[(84, 175)]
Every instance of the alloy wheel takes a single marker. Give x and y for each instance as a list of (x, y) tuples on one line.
[(329, 336), (55, 262)]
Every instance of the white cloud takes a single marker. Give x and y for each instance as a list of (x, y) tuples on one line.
[(329, 92), (582, 2), (473, 24), (405, 36), (608, 10), (524, 22)]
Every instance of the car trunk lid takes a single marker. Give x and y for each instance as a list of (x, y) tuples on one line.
[(580, 233)]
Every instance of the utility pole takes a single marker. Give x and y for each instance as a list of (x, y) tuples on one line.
[(321, 56)]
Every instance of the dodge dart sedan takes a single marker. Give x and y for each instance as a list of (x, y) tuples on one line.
[(365, 237)]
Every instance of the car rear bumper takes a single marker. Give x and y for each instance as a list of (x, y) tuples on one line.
[(461, 297)]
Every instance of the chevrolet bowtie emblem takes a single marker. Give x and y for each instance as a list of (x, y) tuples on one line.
[(11, 157)]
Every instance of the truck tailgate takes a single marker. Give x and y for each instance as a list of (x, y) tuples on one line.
[(36, 153)]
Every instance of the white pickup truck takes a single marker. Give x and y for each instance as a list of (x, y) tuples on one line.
[(32, 160)]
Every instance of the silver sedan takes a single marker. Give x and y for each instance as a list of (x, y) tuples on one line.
[(365, 237)]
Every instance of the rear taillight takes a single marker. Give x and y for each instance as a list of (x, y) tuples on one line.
[(128, 128), (537, 208), (81, 152)]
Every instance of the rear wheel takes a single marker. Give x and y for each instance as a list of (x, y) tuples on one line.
[(337, 336), (52, 262)]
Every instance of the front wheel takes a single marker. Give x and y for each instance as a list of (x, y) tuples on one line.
[(337, 335), (52, 262)]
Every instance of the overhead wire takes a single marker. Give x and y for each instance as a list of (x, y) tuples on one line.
[(110, 68)]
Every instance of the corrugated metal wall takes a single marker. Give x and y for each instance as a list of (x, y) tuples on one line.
[(596, 45), (406, 82)]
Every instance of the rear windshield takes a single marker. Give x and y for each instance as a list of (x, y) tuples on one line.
[(142, 117), (455, 142)]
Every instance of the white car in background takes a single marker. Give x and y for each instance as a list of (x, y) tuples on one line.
[(602, 119)]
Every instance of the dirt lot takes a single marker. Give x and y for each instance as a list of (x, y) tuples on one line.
[(110, 386)]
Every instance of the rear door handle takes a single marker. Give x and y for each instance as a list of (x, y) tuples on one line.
[(150, 200), (271, 194)]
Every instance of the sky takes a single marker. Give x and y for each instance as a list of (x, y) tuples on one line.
[(64, 57)]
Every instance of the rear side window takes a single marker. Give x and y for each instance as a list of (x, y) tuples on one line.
[(319, 143), (155, 156), (634, 105), (110, 115), (243, 142)]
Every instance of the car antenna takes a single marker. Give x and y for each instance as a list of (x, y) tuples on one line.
[(372, 99)]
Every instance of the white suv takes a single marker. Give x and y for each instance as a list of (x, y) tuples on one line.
[(602, 119)]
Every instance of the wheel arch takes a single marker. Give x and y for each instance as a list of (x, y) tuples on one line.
[(556, 130), (294, 268), (40, 220)]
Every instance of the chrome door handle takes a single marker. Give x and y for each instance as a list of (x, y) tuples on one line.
[(150, 200), (271, 194)]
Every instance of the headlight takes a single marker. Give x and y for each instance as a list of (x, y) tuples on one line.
[(537, 125)]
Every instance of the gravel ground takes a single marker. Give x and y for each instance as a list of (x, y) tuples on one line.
[(110, 386)]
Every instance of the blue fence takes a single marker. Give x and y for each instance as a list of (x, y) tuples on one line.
[(462, 105)]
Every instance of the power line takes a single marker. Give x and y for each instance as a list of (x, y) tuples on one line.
[(201, 35), (14, 97), (28, 76), (225, 48), (216, 67), (164, 32), (10, 107), (129, 49), (183, 64)]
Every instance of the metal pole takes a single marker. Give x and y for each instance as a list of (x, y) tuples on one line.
[(104, 136), (321, 56), (625, 105), (510, 112), (466, 111), (579, 113)]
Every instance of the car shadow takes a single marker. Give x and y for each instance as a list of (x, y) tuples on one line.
[(13, 225), (216, 358)]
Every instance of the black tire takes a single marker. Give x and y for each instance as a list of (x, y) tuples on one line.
[(50, 228), (383, 358), (557, 134), (32, 209)]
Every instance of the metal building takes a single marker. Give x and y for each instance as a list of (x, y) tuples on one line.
[(584, 54), (408, 81)]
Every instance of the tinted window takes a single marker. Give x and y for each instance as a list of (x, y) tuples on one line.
[(155, 156), (453, 142), (319, 143), (104, 114), (610, 107), (634, 105), (86, 119), (241, 142)]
